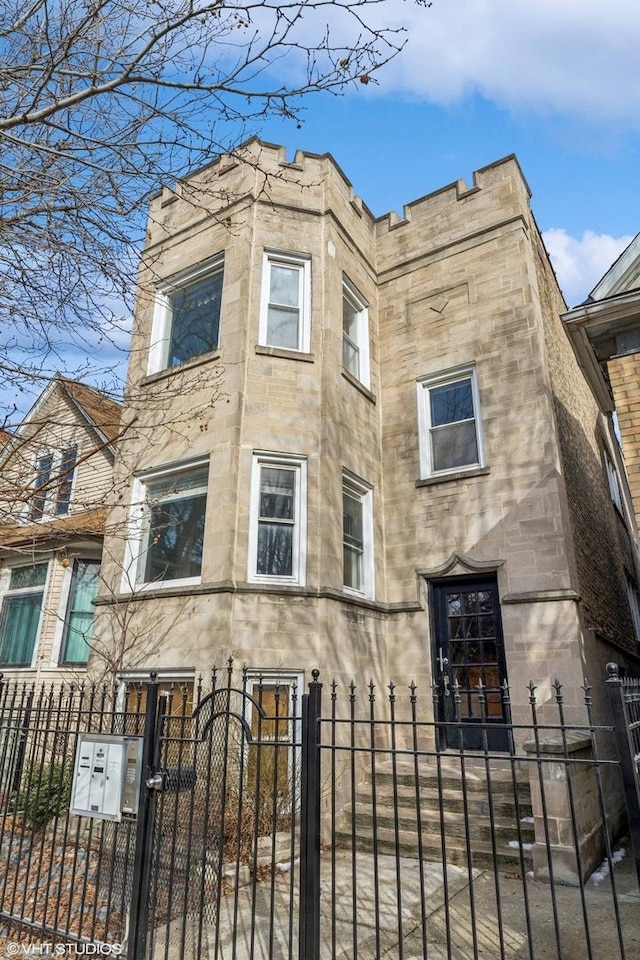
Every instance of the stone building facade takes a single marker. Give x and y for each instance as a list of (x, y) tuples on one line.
[(360, 444)]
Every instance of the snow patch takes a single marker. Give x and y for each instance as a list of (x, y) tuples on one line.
[(602, 872)]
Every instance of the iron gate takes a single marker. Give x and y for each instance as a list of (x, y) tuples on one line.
[(219, 823), (330, 825)]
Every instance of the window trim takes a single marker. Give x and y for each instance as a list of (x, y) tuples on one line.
[(61, 633), (54, 483), (299, 561), (424, 386), (359, 490), (157, 360), (613, 480), (6, 591), (134, 557), (351, 294), (287, 679), (303, 262), (634, 604)]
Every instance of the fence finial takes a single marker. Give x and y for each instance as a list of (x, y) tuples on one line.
[(613, 671)]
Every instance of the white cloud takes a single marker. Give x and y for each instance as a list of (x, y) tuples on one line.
[(579, 56), (580, 262)]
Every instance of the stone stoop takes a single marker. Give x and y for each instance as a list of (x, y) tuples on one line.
[(480, 827)]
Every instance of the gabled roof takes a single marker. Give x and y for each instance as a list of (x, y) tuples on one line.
[(99, 412), (607, 324), (622, 276), (102, 412)]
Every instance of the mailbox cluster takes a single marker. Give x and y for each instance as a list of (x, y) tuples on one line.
[(106, 776)]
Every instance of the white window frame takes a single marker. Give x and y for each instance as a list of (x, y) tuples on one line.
[(634, 606), (614, 482), (361, 343), (303, 264), (298, 465), (362, 492), (61, 622), (162, 313), (286, 679), (134, 558), (5, 591), (53, 484), (165, 677), (425, 385)]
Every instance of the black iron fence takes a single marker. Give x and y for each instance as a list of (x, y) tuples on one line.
[(277, 823)]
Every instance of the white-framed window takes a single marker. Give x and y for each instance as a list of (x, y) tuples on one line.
[(276, 727), (285, 310), (54, 472), (634, 606), (186, 320), (21, 613), (612, 479), (357, 536), (450, 427), (355, 333), (278, 526), (166, 535), (77, 623)]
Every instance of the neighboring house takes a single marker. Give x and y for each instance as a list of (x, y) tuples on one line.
[(363, 444), (605, 332), (55, 483)]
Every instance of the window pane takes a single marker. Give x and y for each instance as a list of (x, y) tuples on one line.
[(451, 402), (195, 319), (454, 446), (67, 466), (19, 628), (350, 338), (172, 486), (352, 568), (282, 327), (275, 550), (351, 357), (353, 540), (79, 619), (350, 315), (34, 576), (277, 488), (43, 475), (175, 539), (352, 520), (284, 287)]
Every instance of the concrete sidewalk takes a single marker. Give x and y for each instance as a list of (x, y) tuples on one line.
[(354, 922)]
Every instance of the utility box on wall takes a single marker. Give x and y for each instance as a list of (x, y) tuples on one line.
[(106, 776)]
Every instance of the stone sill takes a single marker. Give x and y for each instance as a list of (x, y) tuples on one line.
[(358, 385), (180, 368), (448, 477), (284, 354)]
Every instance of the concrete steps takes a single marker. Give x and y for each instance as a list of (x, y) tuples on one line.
[(455, 823)]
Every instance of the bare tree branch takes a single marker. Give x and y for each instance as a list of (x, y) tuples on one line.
[(103, 101)]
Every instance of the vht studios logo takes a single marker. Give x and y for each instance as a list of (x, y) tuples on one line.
[(96, 949)]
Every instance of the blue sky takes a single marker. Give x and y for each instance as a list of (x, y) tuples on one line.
[(557, 82)]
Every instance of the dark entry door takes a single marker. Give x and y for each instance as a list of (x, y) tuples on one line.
[(468, 648)]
